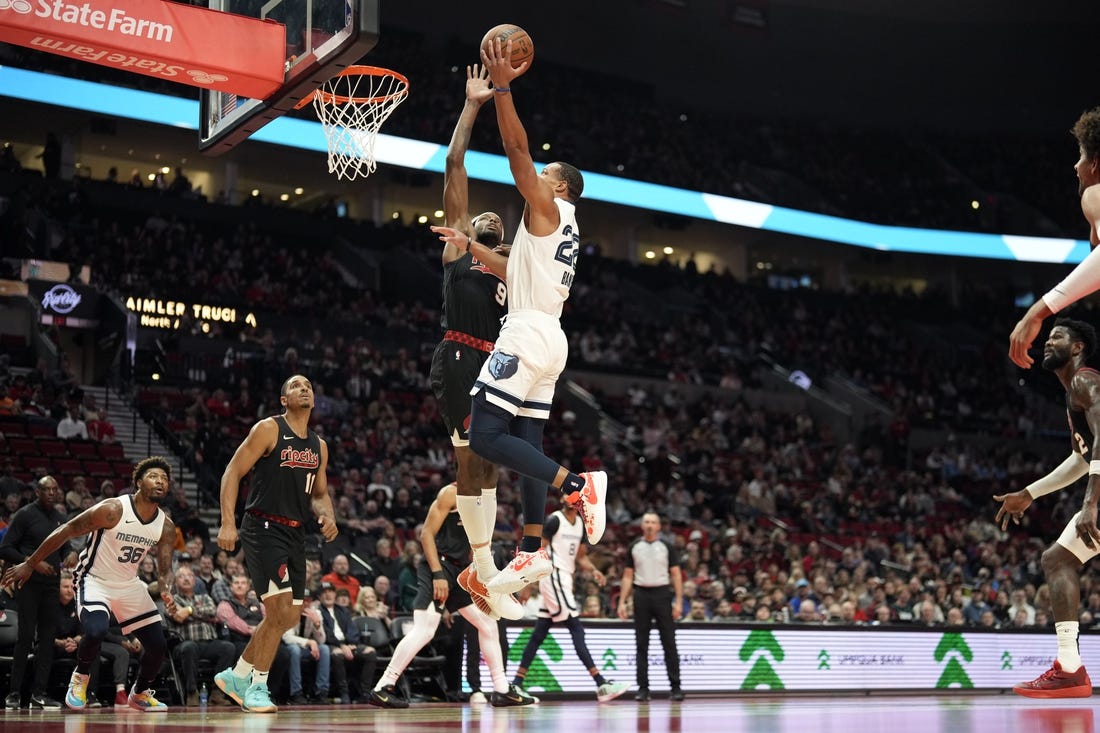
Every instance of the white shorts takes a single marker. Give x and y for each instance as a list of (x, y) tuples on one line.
[(556, 592), (522, 372), (1072, 542), (130, 602)]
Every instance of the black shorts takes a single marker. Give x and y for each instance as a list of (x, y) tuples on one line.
[(275, 556), (455, 368), (425, 594)]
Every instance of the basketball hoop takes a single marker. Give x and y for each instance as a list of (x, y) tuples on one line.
[(352, 107)]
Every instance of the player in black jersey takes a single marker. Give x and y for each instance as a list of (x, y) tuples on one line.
[(1068, 347), (446, 550), (474, 302), (289, 492)]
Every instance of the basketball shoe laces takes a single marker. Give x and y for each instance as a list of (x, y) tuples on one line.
[(576, 499), (1050, 675)]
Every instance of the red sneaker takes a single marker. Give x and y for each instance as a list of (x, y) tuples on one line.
[(1056, 683), (591, 502), (122, 698)]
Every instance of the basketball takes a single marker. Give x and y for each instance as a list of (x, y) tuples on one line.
[(523, 48)]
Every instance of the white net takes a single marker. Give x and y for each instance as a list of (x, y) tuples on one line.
[(352, 107)]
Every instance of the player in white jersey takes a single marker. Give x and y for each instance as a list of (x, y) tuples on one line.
[(563, 537), (121, 531), (513, 393)]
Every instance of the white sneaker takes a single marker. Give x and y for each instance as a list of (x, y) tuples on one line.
[(610, 690), (478, 698), (591, 502), (493, 605), (526, 568)]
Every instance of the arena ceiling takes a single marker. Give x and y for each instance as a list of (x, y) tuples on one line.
[(974, 66)]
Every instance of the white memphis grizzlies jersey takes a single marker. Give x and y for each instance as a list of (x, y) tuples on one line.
[(566, 542), (113, 555), (541, 269)]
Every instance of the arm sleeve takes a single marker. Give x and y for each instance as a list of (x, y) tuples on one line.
[(673, 556), (1084, 279)]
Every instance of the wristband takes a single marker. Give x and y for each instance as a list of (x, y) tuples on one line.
[(438, 575), (1094, 468), (502, 90)]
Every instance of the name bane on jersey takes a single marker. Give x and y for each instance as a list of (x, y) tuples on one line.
[(136, 539), (291, 458)]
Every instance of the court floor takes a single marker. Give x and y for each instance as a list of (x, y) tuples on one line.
[(944, 713)]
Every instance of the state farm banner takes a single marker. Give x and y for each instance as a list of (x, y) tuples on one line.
[(166, 40)]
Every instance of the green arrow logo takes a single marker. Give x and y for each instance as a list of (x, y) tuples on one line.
[(539, 675), (1006, 660), (763, 645), (823, 659), (952, 647), (609, 659)]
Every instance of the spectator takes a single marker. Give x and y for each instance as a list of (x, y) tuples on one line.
[(339, 577), (241, 613), (307, 641), (348, 655), (100, 429), (195, 622), (72, 426), (368, 605)]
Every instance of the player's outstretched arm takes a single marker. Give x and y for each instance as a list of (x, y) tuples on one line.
[(101, 516), (535, 191), (1014, 504), (456, 190)]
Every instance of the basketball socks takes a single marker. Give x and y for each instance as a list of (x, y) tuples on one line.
[(573, 482), (1069, 653), (260, 678), (471, 509), (530, 543), (486, 566), (388, 678), (243, 669), (597, 677)]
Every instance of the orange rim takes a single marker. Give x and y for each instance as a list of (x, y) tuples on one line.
[(330, 98)]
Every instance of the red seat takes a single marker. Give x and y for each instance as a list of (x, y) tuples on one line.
[(23, 446), (82, 449), (32, 462), (99, 469), (112, 451), (53, 448), (68, 466), (10, 426), (42, 430)]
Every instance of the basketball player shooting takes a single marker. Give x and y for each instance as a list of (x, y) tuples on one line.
[(289, 488), (513, 392), (475, 297)]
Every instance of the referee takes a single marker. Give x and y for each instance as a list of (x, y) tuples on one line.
[(654, 571)]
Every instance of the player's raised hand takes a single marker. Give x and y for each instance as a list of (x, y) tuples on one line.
[(497, 58), (478, 88)]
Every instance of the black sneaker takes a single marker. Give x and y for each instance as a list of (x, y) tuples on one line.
[(298, 699), (677, 694), (387, 697), (93, 701), (642, 695), (11, 702), (41, 701), (515, 697)]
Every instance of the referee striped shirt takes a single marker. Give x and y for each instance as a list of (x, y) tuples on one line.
[(651, 562)]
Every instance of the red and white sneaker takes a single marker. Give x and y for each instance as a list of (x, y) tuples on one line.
[(591, 502), (1056, 683), (526, 568), (494, 605)]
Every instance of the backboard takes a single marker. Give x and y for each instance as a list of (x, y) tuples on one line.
[(323, 37)]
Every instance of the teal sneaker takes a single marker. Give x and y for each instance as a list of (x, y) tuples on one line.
[(257, 699), (232, 685)]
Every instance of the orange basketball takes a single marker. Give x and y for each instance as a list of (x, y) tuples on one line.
[(523, 48)]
